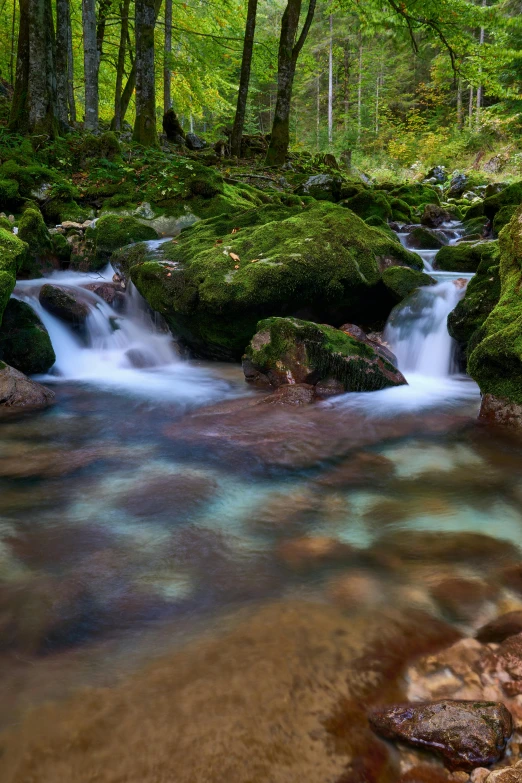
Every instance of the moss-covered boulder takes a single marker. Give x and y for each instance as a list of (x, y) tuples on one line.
[(509, 196), (475, 226), (416, 195), (369, 203), (289, 350), (402, 281), (24, 341), (401, 210), (9, 194), (323, 187), (464, 257), (324, 260), (503, 217), (422, 238), (32, 229), (496, 361), (64, 304), (112, 232), (13, 253), (482, 294)]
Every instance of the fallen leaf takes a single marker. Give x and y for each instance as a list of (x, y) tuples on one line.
[(175, 241), (234, 257), (169, 274), (235, 230), (236, 266), (254, 260), (219, 242)]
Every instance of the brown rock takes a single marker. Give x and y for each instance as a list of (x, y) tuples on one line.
[(356, 590), (433, 216), (110, 292), (466, 734), (506, 775), (63, 303), (18, 391), (504, 665), (176, 494), (495, 410), (511, 577), (313, 551), (460, 598), (501, 628), (425, 773), (360, 468), (294, 395)]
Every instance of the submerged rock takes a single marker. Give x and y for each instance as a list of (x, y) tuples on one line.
[(290, 351), (17, 391), (422, 238), (64, 304), (24, 341), (501, 628), (466, 734)]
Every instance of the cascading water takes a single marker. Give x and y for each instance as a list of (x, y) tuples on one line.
[(120, 349)]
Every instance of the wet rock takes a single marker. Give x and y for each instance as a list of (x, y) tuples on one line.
[(140, 358), (461, 599), (194, 142), (328, 388), (323, 187), (506, 775), (425, 773), (26, 461), (64, 304), (497, 410), (504, 665), (24, 341), (422, 238), (439, 173), (301, 554), (360, 468), (452, 673), (357, 590), (434, 216), (294, 395), (17, 391), (175, 494), (466, 734), (458, 184), (111, 293), (501, 628), (378, 345)]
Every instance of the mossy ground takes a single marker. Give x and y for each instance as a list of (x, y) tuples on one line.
[(213, 289), (496, 361)]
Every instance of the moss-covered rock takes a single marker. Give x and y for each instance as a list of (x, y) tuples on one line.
[(112, 232), (510, 196), (382, 225), (402, 281), (496, 361), (503, 217), (32, 229), (61, 249), (64, 304), (475, 225), (24, 341), (401, 210), (9, 194), (12, 256), (289, 350), (6, 224), (323, 187), (482, 294), (416, 195), (105, 146), (422, 238), (213, 290), (369, 203), (464, 257)]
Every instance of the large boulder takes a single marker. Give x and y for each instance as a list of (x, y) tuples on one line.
[(416, 195), (323, 187), (32, 229), (496, 360), (64, 304), (402, 281), (17, 391), (370, 203), (13, 253), (112, 232), (458, 184), (465, 734), (482, 294), (434, 216), (24, 341), (290, 351), (422, 238), (465, 257), (509, 196), (213, 288)]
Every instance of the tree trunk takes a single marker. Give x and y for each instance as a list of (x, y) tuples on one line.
[(289, 50), (244, 81), (330, 83), (145, 123), (63, 12), (70, 73), (33, 108), (346, 85), (359, 93), (318, 112), (167, 100), (479, 88), (460, 114), (104, 7), (90, 65), (120, 67), (11, 57), (470, 106)]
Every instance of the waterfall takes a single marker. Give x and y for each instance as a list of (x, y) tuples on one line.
[(124, 349)]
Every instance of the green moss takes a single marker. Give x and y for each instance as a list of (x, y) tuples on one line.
[(423, 238), (324, 258), (510, 196), (6, 224), (400, 207), (105, 146), (482, 294), (382, 225), (12, 255), (369, 203), (112, 232), (9, 193), (24, 341), (61, 249), (401, 281), (503, 217), (496, 361), (27, 177), (474, 226), (283, 346), (416, 195), (32, 229), (464, 257)]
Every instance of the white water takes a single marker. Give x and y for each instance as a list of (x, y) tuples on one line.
[(113, 343)]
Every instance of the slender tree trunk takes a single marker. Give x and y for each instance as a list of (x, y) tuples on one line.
[(330, 83), (318, 115), (167, 101), (460, 113), (470, 106), (289, 50), (145, 123), (90, 65), (104, 7), (346, 85), (18, 119), (120, 67), (377, 83), (244, 81), (359, 92), (11, 57), (63, 12), (70, 73), (479, 88)]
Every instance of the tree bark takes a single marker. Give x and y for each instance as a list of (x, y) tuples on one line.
[(91, 65), (120, 67), (104, 7), (18, 118), (359, 93), (70, 73), (460, 115), (479, 88), (167, 100), (145, 123), (11, 57), (63, 12), (346, 85), (244, 81), (289, 50), (330, 83), (470, 106)]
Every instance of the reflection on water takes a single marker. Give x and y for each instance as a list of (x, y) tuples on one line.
[(125, 531)]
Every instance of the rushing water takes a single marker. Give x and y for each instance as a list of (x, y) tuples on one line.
[(135, 525)]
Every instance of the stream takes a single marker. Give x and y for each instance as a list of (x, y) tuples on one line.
[(133, 528)]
